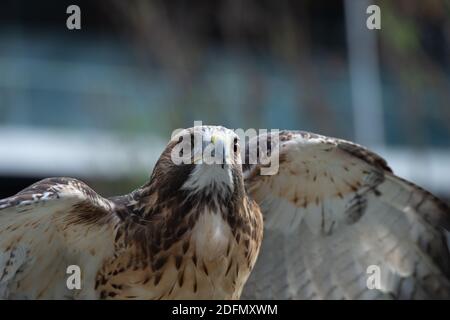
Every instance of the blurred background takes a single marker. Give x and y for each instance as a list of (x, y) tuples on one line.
[(100, 103)]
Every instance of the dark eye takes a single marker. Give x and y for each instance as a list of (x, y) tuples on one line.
[(235, 145)]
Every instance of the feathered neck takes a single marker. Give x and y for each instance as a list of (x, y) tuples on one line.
[(159, 198)]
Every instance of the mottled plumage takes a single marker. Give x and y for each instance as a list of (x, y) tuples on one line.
[(172, 238), (195, 230), (333, 210)]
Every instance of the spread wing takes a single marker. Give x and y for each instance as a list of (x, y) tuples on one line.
[(47, 227), (338, 222)]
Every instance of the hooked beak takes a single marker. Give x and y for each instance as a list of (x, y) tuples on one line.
[(220, 152)]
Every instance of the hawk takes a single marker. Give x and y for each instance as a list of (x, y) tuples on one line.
[(190, 232), (332, 212)]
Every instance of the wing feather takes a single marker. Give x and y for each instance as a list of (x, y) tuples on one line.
[(333, 210), (45, 228)]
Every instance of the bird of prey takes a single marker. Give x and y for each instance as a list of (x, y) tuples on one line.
[(189, 233), (333, 212)]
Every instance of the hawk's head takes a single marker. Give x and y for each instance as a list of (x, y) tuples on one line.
[(202, 161)]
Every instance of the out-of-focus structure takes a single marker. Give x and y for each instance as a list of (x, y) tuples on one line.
[(99, 103)]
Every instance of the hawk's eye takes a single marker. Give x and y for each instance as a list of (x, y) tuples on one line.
[(235, 145)]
